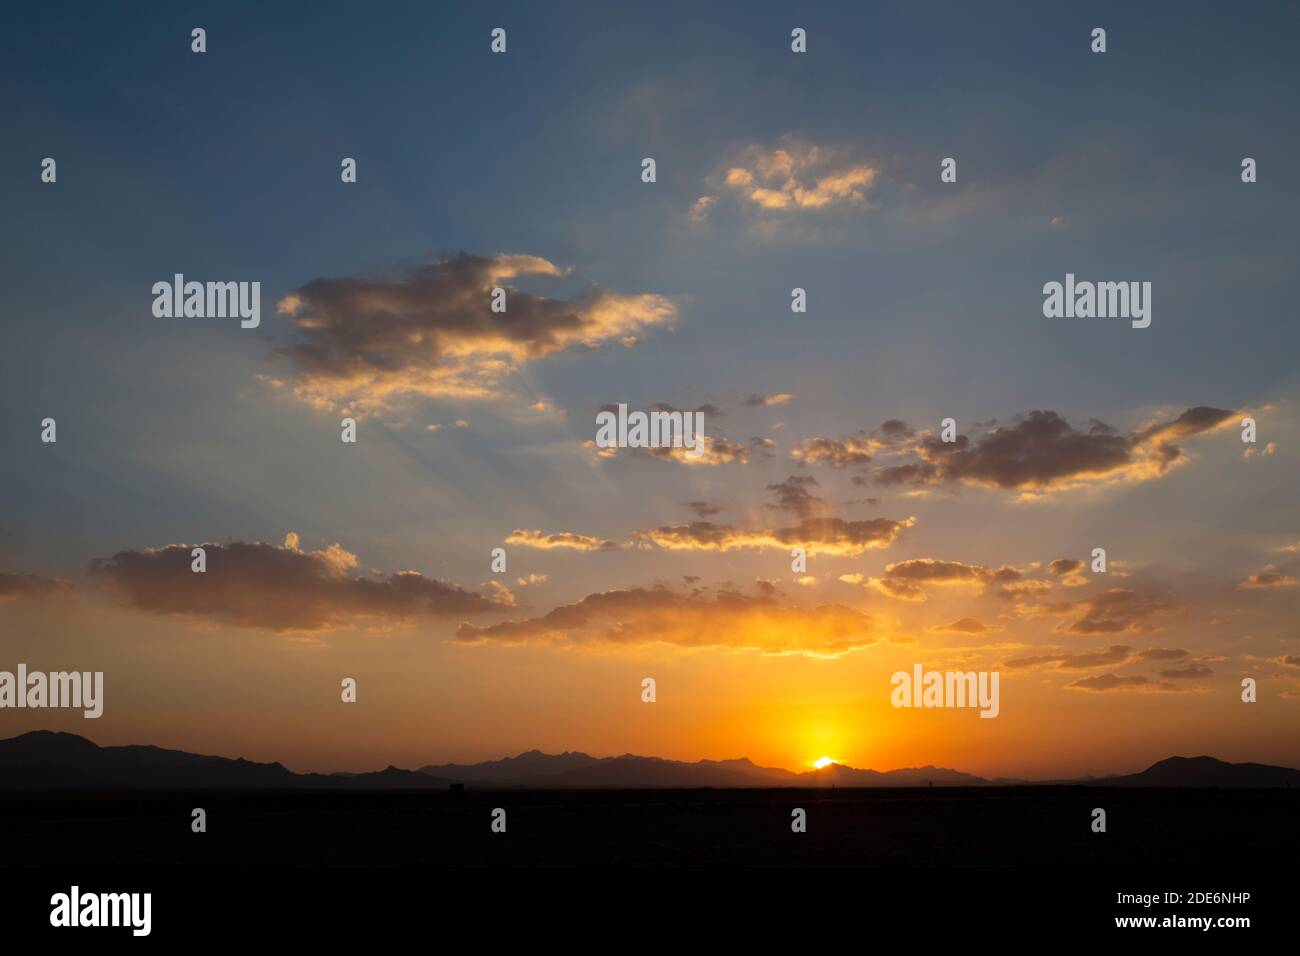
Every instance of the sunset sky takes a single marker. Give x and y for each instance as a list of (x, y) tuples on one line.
[(774, 171)]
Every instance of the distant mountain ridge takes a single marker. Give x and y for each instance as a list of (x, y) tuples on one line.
[(578, 770), (52, 760), (45, 759), (1205, 772)]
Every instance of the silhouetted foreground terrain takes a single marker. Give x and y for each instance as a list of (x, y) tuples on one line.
[(44, 760), (64, 798), (976, 826)]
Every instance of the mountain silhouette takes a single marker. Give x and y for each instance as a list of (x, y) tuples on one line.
[(1204, 772), (530, 764), (839, 775), (48, 760)]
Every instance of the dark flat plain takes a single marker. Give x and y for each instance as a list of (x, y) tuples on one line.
[(977, 826)]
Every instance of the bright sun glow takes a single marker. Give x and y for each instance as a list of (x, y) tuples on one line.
[(821, 762)]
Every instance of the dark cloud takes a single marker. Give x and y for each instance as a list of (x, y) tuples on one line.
[(364, 344), (1194, 421), (706, 409), (915, 473), (1162, 654), (894, 430), (931, 569), (793, 496), (1182, 673), (908, 580), (1113, 682), (1041, 451), (1119, 609), (1112, 656), (759, 401), (1112, 611), (275, 587)]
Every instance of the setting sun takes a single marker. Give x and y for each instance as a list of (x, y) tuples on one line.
[(822, 762)]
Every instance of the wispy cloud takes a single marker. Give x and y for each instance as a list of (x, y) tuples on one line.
[(561, 540)]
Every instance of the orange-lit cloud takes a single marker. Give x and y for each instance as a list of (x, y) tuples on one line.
[(798, 177), (560, 540), (965, 625), (716, 451), (641, 616), (835, 452), (815, 535), (1267, 579)]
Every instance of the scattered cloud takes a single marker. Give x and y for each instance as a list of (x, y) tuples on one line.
[(701, 207), (1114, 655), (1265, 580), (728, 620), (365, 345), (1040, 452), (759, 401), (275, 587), (1191, 671), (835, 452), (1162, 654), (793, 496), (1112, 611), (1113, 682), (815, 535), (906, 580), (796, 177), (716, 451)]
